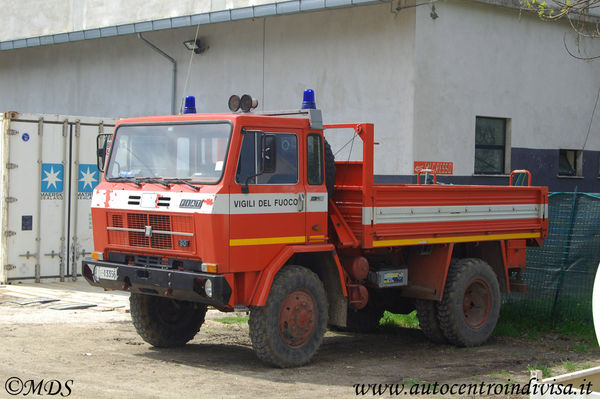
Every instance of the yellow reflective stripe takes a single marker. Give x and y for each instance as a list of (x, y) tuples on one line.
[(267, 241), (444, 240), (316, 238)]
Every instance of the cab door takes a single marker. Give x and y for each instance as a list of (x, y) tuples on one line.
[(267, 201), (316, 191)]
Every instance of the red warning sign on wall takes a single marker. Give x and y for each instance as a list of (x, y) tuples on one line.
[(440, 168)]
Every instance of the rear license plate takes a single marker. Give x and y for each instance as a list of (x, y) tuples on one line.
[(105, 273)]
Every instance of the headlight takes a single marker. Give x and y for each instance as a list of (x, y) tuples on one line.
[(208, 289)]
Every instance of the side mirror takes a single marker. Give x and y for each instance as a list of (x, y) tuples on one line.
[(102, 146), (268, 153)]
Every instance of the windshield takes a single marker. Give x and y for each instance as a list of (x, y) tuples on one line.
[(194, 152)]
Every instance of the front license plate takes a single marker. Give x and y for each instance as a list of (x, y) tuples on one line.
[(105, 273)]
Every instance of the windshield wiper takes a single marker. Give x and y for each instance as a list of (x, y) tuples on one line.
[(151, 180), (125, 180), (181, 181)]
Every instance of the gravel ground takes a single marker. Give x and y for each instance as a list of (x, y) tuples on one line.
[(96, 353)]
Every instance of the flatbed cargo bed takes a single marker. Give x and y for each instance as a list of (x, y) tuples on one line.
[(398, 215)]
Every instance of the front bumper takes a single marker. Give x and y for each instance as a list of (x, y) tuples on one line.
[(175, 284)]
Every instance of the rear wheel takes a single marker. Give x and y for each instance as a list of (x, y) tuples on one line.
[(470, 307), (427, 313), (289, 329), (165, 322)]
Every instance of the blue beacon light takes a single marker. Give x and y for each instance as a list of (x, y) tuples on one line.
[(309, 99), (190, 105)]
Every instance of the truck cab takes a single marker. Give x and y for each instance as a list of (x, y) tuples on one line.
[(219, 194)]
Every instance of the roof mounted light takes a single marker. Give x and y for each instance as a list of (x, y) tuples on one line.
[(247, 103), (190, 105), (234, 103), (309, 99)]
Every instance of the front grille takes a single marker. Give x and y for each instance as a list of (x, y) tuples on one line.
[(161, 223), (132, 230)]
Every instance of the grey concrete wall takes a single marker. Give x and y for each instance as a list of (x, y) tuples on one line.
[(358, 60), (421, 81), (482, 60), (29, 18)]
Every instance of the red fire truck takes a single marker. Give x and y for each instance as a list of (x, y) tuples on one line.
[(250, 212)]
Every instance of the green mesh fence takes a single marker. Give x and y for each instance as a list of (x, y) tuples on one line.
[(561, 274)]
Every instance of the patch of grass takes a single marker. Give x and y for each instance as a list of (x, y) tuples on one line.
[(505, 328), (400, 320), (544, 369), (500, 374), (411, 381), (581, 348), (530, 319), (232, 320), (533, 333), (569, 366), (577, 329)]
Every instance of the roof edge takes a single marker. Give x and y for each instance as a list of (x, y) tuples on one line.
[(235, 14)]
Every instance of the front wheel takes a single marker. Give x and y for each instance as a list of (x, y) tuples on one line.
[(470, 307), (289, 329), (165, 322)]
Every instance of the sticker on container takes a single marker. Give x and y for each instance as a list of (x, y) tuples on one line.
[(87, 178), (26, 222), (52, 178), (25, 137)]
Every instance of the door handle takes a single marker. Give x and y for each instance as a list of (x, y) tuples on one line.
[(300, 202)]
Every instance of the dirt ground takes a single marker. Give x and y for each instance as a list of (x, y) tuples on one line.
[(99, 352)]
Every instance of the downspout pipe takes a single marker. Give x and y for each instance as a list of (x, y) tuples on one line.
[(174, 78)]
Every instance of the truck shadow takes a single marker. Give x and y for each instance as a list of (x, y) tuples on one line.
[(399, 355), (343, 359)]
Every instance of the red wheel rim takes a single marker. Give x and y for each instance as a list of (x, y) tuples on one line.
[(477, 303), (297, 318)]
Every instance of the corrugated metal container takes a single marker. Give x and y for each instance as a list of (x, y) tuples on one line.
[(48, 171)]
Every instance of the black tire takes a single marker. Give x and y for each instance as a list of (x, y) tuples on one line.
[(470, 307), (365, 320), (427, 313), (165, 322), (329, 169), (289, 329)]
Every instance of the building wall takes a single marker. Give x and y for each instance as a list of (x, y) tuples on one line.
[(482, 60), (358, 60), (421, 81), (58, 16)]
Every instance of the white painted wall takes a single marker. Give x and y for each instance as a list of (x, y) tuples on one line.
[(421, 81), (482, 60), (29, 18), (358, 60)]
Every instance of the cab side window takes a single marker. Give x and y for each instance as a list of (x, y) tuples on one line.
[(314, 159), (286, 156)]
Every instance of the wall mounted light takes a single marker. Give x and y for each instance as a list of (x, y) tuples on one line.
[(196, 45), (434, 15)]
